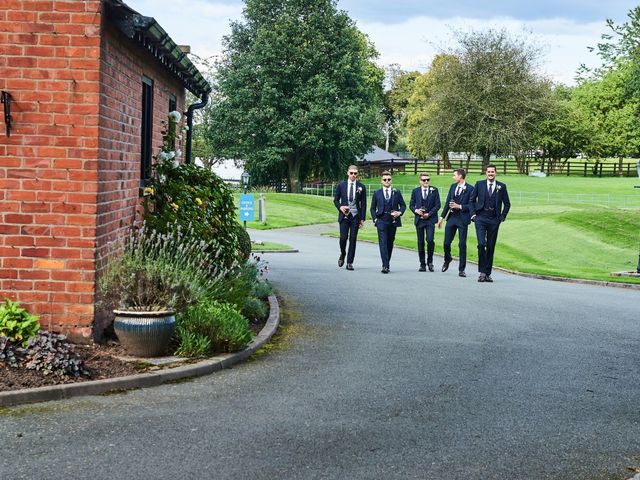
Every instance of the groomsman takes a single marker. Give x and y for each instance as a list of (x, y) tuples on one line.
[(425, 203), (387, 206), (350, 199), (456, 213), (489, 205)]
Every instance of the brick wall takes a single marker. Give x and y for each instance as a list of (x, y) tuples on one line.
[(69, 172)]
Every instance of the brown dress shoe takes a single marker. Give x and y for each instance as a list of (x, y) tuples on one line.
[(445, 266), (488, 279), (341, 260), (482, 278), (462, 274)]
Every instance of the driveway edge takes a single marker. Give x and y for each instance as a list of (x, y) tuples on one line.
[(142, 380)]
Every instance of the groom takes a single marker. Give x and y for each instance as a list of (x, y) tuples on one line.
[(350, 199)]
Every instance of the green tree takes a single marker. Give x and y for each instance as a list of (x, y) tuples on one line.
[(395, 103), (489, 100), (297, 91)]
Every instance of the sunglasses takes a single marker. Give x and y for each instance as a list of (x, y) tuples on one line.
[(353, 173), (424, 179), (386, 179)]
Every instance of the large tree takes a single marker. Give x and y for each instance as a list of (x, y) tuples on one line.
[(492, 98), (297, 90), (395, 103)]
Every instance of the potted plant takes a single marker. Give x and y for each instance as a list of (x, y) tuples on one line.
[(149, 276)]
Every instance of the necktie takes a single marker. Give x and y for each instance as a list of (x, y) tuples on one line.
[(424, 193), (386, 193), (457, 191), (351, 193), (490, 189)]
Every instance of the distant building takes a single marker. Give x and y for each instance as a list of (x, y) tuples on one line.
[(378, 160)]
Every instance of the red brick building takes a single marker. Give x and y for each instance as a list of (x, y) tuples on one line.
[(86, 86)]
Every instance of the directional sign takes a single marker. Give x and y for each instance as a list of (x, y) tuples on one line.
[(246, 207)]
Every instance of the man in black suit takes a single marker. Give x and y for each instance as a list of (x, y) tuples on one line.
[(350, 199), (489, 205), (456, 213), (387, 206), (425, 203)]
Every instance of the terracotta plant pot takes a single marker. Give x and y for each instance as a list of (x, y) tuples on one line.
[(145, 334)]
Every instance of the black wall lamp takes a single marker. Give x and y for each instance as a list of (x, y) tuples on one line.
[(6, 100)]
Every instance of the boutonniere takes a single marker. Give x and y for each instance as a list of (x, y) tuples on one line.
[(393, 190), (359, 189), (431, 189), (498, 187), (462, 189)]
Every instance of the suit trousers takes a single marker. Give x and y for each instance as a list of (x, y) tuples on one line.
[(487, 233), (450, 230), (427, 230), (386, 237), (349, 231)]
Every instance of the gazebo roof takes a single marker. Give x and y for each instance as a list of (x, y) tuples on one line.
[(379, 155)]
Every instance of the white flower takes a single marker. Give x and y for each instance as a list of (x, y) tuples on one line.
[(175, 116), (162, 178), (359, 189), (171, 155), (185, 128), (498, 187), (178, 153), (163, 156), (431, 189), (175, 163)]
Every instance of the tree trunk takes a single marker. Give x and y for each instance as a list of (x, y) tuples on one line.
[(486, 158), (293, 162), (445, 159)]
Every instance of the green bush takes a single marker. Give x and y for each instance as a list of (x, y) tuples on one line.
[(156, 271), (192, 344), (254, 308), (244, 243), (262, 290), (225, 328), (193, 198), (18, 325), (240, 283)]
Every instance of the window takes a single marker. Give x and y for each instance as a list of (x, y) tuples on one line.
[(173, 103), (146, 130)]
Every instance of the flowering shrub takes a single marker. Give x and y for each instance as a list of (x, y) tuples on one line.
[(191, 197)]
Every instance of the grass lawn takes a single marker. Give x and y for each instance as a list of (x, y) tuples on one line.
[(272, 246), (546, 235)]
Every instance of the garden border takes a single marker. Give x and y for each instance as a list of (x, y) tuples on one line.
[(141, 380)]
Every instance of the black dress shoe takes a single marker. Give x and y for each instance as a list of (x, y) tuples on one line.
[(445, 266), (341, 260), (423, 268), (385, 269), (430, 267), (482, 278), (349, 266), (462, 274), (488, 279)]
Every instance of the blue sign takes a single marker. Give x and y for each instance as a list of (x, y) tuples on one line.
[(246, 207)]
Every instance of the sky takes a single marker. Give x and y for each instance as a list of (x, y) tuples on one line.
[(411, 32)]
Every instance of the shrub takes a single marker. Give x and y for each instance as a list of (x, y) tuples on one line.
[(240, 283), (192, 344), (16, 323), (188, 195), (244, 243), (159, 270), (261, 289), (254, 308), (226, 329), (50, 353)]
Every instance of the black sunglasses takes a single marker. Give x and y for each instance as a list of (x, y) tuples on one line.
[(353, 173), (424, 179)]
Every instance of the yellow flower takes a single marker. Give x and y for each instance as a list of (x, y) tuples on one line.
[(198, 201), (174, 206), (148, 191)]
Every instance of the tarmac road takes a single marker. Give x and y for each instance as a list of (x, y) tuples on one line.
[(402, 376)]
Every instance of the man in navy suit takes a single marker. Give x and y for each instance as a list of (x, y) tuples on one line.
[(456, 213), (387, 206), (425, 203), (350, 199), (489, 205)]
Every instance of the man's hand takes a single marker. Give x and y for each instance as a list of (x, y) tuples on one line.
[(440, 220), (344, 210), (395, 214), (361, 224), (455, 205), (473, 218)]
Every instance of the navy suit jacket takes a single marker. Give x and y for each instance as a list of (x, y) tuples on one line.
[(397, 203), (341, 199), (479, 194), (462, 199), (432, 206)]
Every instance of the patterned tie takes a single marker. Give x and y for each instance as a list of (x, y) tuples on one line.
[(490, 189), (351, 193), (386, 193), (458, 191)]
